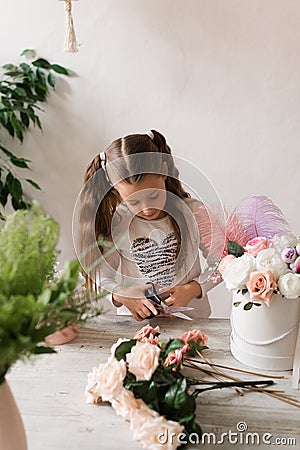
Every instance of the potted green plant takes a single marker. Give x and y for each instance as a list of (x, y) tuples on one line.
[(24, 88), (34, 302)]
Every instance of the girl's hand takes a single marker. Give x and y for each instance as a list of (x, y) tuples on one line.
[(134, 299), (182, 295)]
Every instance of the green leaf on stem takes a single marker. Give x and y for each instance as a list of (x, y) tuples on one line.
[(235, 249)]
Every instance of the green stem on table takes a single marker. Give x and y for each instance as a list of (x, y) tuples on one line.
[(225, 384)]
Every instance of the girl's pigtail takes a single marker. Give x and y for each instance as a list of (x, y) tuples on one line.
[(98, 203)]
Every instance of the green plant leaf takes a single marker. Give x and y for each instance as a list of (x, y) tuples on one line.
[(9, 67), (41, 62), (235, 249), (237, 304), (34, 184), (20, 162), (248, 306), (60, 69), (29, 53), (124, 348), (51, 79), (172, 345)]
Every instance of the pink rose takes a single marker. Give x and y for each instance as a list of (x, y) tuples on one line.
[(255, 245), (143, 360), (174, 357), (147, 332), (261, 285), (224, 263), (194, 335), (110, 378), (125, 404)]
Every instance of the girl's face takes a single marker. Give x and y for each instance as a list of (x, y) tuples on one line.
[(147, 198)]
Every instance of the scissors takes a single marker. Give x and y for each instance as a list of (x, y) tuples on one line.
[(175, 311)]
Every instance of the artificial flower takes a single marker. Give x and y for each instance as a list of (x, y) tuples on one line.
[(146, 332), (238, 270), (176, 357), (282, 240), (255, 245), (110, 378), (261, 286), (270, 259), (289, 285), (160, 434), (224, 263), (125, 404), (143, 360), (194, 335), (92, 392), (289, 254)]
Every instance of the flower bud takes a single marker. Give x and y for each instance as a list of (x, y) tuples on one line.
[(289, 254), (297, 265)]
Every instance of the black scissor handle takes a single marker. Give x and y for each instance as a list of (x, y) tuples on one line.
[(152, 294)]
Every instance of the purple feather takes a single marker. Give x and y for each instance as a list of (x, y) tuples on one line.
[(261, 217)]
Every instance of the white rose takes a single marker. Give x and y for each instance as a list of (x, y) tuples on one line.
[(160, 434), (143, 360), (238, 270), (270, 259), (289, 285), (125, 404), (110, 378), (281, 241)]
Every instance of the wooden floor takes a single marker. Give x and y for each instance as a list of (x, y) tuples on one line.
[(50, 394)]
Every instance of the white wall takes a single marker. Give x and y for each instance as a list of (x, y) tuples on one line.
[(220, 78)]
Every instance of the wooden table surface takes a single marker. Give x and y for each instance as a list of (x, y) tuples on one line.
[(50, 394)]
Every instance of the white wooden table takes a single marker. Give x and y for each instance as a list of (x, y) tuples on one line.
[(50, 394)]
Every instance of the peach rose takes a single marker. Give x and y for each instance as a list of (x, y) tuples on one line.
[(139, 417), (143, 360), (147, 332), (224, 263), (125, 404), (261, 286), (110, 378), (160, 434), (255, 245), (194, 335), (92, 392)]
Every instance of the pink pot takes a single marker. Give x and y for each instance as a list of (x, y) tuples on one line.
[(12, 433), (63, 336)]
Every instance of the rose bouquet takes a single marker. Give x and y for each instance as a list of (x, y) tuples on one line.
[(262, 268), (254, 250), (144, 383)]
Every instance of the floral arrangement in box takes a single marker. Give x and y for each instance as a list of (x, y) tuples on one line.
[(260, 256), (144, 382)]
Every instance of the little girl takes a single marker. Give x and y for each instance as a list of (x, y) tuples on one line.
[(136, 210)]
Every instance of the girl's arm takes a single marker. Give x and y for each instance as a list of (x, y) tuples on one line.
[(133, 297)]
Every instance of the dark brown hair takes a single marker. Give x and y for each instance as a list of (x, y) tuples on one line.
[(99, 199)]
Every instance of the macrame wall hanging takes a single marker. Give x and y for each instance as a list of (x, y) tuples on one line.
[(70, 38)]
